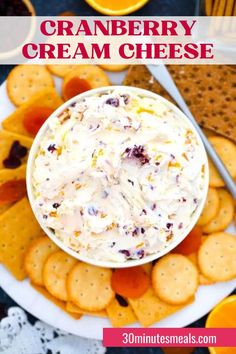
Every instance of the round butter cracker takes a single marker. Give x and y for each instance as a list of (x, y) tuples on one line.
[(92, 74), (55, 272), (89, 287), (202, 279), (175, 279), (224, 216), (217, 257), (60, 70), (211, 207), (36, 256), (226, 149), (24, 81), (114, 68)]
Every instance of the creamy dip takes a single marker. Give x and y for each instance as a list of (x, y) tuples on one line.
[(118, 176)]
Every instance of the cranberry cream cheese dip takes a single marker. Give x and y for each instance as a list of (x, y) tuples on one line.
[(118, 174)]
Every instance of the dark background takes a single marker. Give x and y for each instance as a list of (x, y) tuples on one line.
[(81, 8)]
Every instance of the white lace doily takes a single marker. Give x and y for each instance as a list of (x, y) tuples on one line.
[(19, 336)]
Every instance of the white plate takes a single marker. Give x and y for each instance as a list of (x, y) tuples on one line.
[(91, 327)]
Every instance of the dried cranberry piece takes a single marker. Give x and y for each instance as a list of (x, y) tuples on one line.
[(135, 231), (52, 148), (11, 162), (138, 152), (56, 205), (125, 98), (17, 150), (92, 211), (125, 252), (114, 102), (130, 181), (144, 212), (169, 225), (141, 254), (122, 301)]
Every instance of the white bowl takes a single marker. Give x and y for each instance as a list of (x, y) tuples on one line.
[(110, 264)]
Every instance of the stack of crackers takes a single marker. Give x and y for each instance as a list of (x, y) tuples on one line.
[(209, 91), (83, 289)]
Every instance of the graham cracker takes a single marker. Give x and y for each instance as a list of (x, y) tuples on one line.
[(18, 228), (209, 91)]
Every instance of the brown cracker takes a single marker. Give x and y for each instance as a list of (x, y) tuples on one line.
[(9, 175), (89, 287), (24, 81), (208, 7), (36, 255), (18, 228), (6, 140), (45, 98), (55, 272), (229, 8), (227, 152), (119, 315), (224, 216), (209, 91), (94, 75), (71, 307), (217, 257), (150, 309), (211, 207), (221, 8), (174, 279), (60, 304), (215, 7)]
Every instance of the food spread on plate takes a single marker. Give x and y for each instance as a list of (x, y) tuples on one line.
[(146, 293), (118, 176)]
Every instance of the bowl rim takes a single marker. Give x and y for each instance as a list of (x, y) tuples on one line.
[(13, 52), (54, 238)]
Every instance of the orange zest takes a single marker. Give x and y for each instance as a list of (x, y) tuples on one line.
[(12, 191), (74, 87), (35, 117), (191, 243), (130, 282), (223, 316)]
